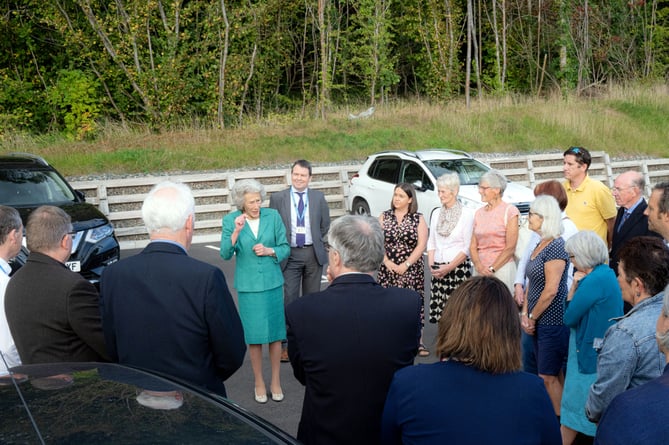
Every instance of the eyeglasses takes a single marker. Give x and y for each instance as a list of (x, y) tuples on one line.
[(530, 213), (620, 189), (484, 188), (575, 150)]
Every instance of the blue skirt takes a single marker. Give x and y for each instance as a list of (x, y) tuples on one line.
[(262, 316), (575, 394)]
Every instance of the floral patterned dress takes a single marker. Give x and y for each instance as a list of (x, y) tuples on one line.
[(400, 240)]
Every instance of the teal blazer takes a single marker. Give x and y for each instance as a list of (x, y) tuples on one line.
[(256, 273)]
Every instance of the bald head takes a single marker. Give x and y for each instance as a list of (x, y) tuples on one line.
[(628, 188)]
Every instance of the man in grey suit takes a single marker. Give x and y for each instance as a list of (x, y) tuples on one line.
[(306, 215)]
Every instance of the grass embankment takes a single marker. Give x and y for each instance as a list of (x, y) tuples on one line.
[(622, 122)]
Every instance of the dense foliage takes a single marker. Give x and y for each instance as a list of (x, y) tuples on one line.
[(68, 65)]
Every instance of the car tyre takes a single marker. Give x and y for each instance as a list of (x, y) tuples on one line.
[(360, 207)]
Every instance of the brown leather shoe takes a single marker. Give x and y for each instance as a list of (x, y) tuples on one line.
[(284, 356)]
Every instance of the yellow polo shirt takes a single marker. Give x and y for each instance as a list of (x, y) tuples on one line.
[(590, 205)]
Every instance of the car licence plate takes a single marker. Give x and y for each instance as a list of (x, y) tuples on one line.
[(74, 266)]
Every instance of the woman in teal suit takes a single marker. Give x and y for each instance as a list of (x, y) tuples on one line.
[(257, 237)]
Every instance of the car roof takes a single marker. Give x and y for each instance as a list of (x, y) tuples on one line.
[(23, 160), (112, 403), (427, 154)]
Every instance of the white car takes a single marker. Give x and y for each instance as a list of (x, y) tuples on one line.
[(371, 189)]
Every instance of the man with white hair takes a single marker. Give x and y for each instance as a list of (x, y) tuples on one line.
[(165, 311), (631, 221)]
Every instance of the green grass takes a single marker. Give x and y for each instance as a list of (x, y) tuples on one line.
[(621, 121)]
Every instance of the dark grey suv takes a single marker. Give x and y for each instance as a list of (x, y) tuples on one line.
[(28, 181)]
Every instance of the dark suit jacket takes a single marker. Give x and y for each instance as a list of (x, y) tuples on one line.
[(636, 225), (319, 218), (53, 314), (165, 311), (345, 343)]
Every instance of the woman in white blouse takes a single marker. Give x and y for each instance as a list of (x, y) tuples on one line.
[(448, 244)]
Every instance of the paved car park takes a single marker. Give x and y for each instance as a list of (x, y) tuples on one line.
[(285, 414)]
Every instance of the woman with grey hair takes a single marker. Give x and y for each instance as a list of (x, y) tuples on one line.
[(257, 237), (448, 244), (639, 415), (543, 306), (495, 231), (593, 302)]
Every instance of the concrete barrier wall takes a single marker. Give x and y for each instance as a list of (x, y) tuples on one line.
[(121, 199)]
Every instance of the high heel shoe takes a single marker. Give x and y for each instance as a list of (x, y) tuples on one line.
[(262, 398), (277, 397)]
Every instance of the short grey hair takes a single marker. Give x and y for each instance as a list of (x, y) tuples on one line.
[(46, 227), (548, 208), (450, 181), (168, 206), (359, 241), (495, 179), (243, 187), (588, 249), (9, 220), (663, 337)]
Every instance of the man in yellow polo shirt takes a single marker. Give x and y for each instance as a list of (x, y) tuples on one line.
[(591, 205)]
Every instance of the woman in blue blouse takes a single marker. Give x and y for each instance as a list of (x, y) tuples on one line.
[(594, 300), (476, 394)]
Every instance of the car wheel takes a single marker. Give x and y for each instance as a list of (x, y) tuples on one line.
[(360, 207)]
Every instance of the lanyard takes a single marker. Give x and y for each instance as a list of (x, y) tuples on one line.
[(305, 199)]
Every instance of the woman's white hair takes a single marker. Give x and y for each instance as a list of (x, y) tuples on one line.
[(588, 249), (450, 181), (495, 179), (548, 208)]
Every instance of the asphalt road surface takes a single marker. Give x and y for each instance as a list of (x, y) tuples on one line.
[(285, 414)]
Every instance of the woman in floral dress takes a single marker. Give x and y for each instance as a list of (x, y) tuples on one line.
[(405, 233)]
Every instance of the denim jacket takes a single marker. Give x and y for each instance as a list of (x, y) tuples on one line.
[(629, 356)]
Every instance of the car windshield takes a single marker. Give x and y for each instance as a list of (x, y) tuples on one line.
[(469, 170), (29, 187)]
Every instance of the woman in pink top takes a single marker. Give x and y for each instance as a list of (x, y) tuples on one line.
[(495, 231)]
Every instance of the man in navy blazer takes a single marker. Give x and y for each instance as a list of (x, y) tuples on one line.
[(303, 269), (165, 311), (346, 342), (630, 222)]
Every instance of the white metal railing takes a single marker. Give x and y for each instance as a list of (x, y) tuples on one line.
[(121, 199)]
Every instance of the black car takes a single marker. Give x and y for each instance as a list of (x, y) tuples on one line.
[(104, 403), (28, 181)]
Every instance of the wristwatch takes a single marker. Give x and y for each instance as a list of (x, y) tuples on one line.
[(491, 269)]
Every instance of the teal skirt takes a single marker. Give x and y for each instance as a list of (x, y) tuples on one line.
[(262, 316)]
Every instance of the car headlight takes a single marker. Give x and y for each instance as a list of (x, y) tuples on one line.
[(95, 235)]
